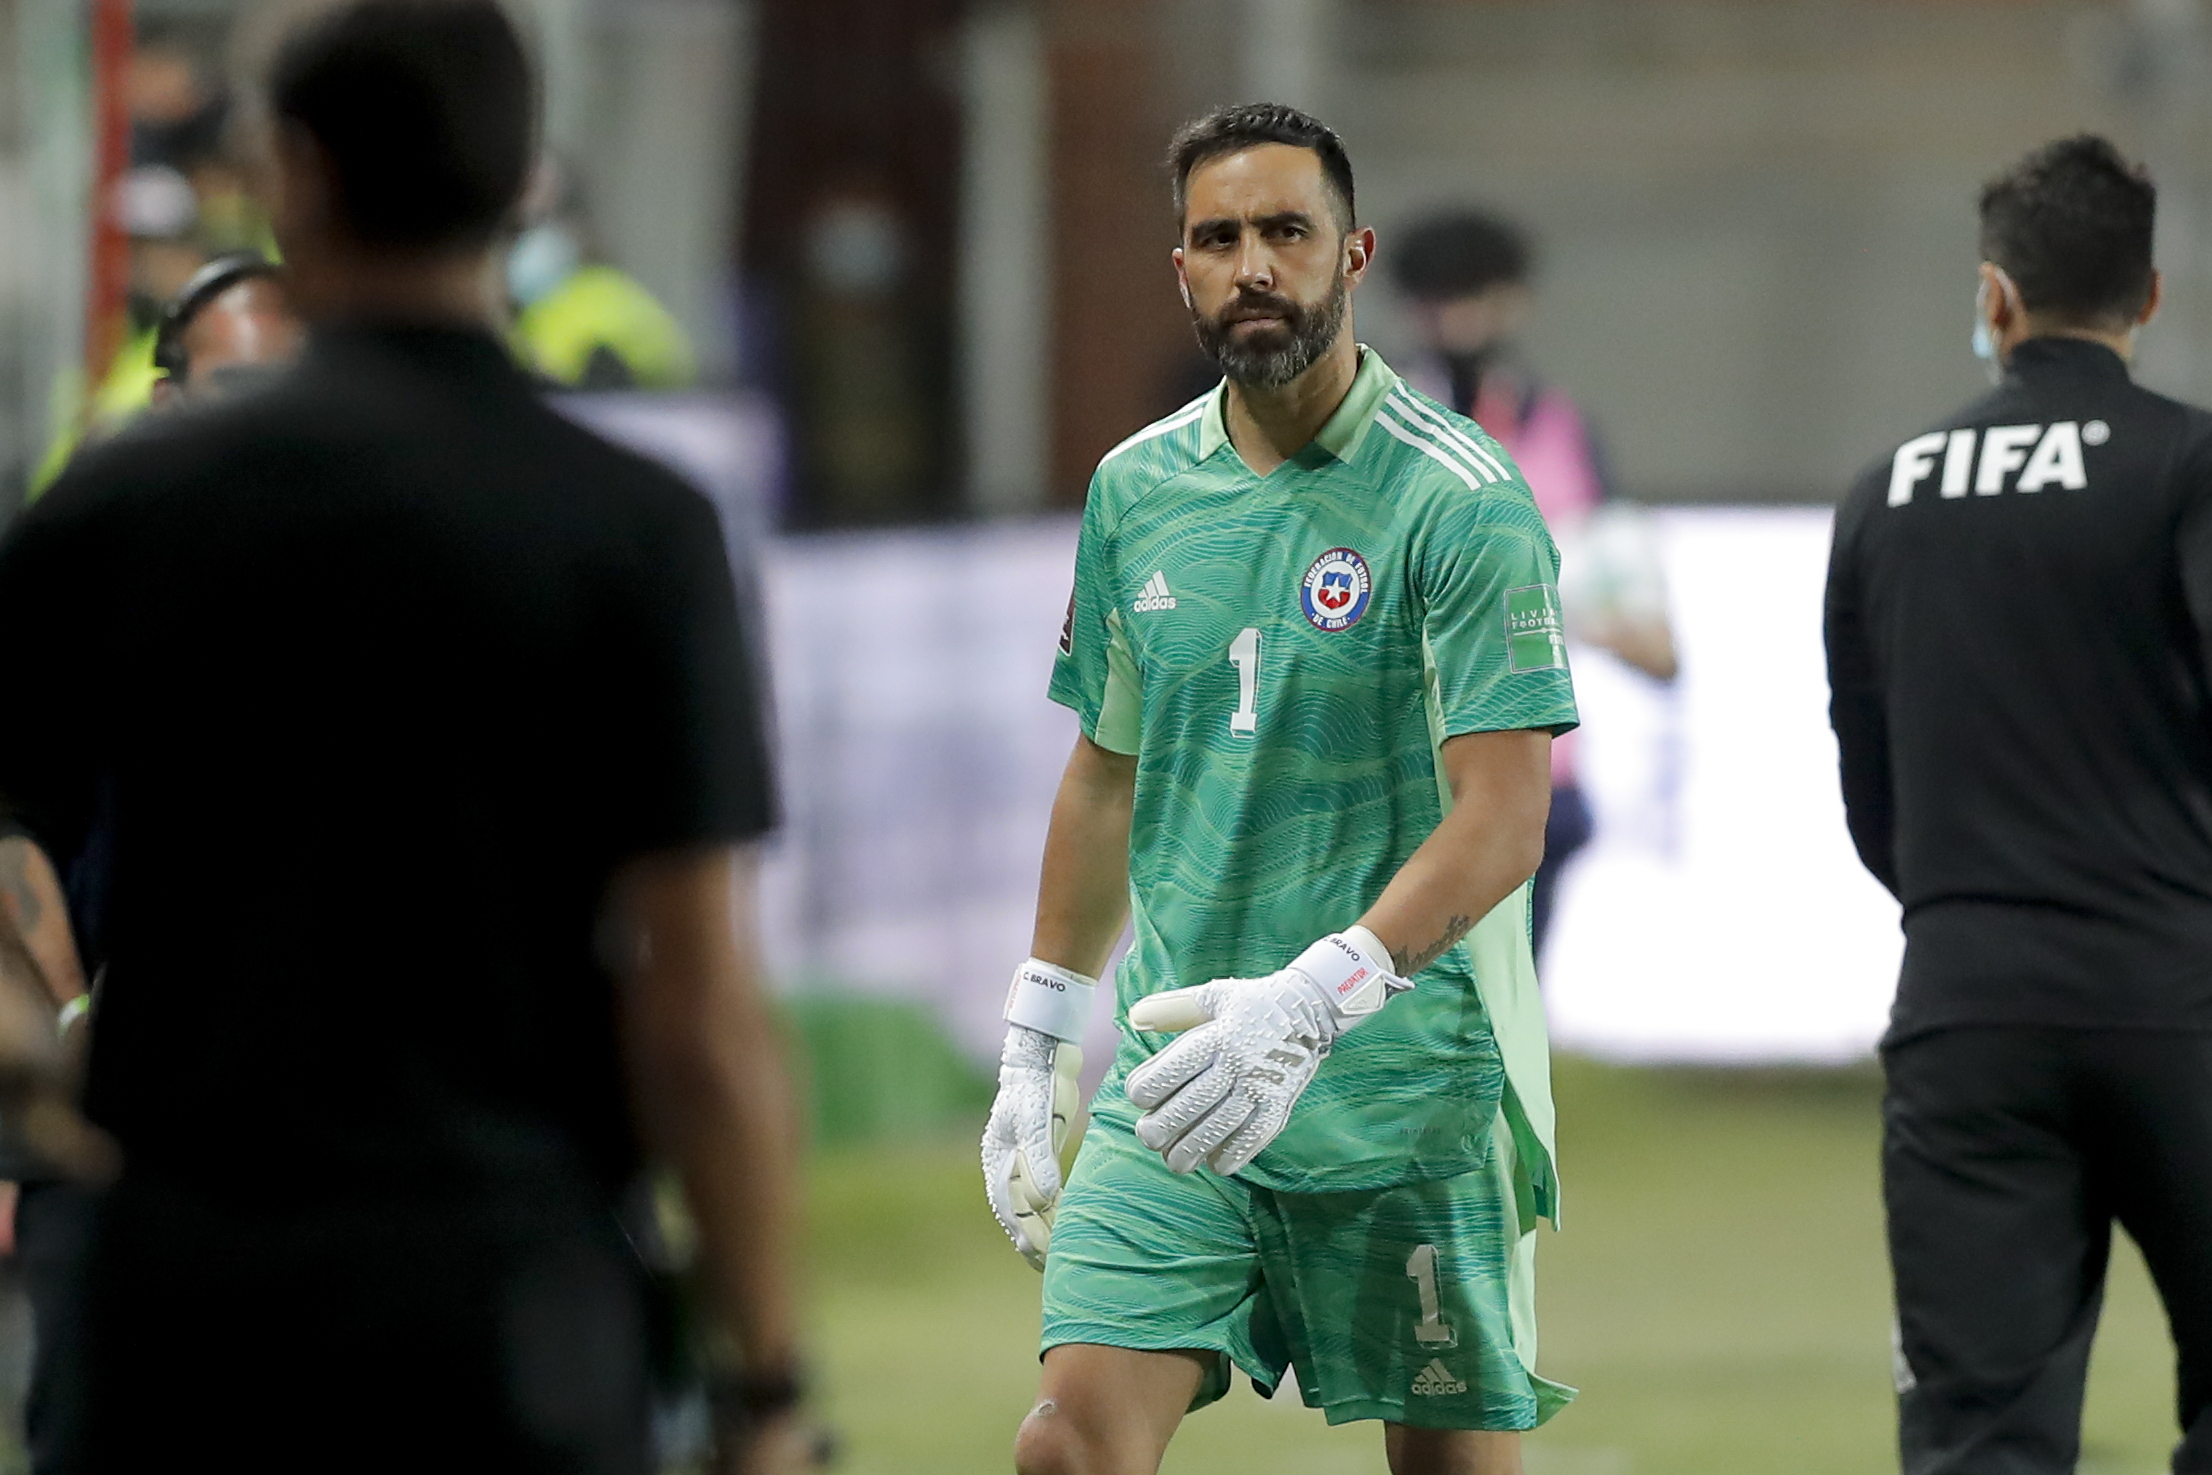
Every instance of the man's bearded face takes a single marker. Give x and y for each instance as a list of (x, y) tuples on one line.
[(1263, 341)]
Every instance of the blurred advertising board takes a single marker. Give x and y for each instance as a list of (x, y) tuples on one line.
[(1720, 913)]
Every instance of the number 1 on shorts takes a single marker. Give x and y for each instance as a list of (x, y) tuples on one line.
[(1433, 1330)]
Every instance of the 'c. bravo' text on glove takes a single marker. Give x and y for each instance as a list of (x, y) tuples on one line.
[(1037, 1096), (1224, 1090)]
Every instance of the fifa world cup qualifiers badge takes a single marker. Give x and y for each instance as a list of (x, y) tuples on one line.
[(1334, 592), (1535, 635)]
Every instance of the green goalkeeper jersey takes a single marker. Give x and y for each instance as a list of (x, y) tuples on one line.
[(1284, 654)]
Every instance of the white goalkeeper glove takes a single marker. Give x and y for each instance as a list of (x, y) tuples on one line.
[(1046, 1010), (1224, 1090)]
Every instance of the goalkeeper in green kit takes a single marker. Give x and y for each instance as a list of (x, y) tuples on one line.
[(1315, 648)]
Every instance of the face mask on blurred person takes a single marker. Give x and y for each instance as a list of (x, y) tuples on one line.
[(541, 258), (1985, 337), (1466, 371), (1984, 341)]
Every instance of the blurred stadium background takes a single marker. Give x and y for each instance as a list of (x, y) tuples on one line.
[(887, 276)]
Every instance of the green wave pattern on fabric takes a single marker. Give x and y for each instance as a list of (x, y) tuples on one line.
[(1283, 654)]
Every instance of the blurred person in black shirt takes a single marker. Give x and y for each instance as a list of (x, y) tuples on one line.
[(404, 735), (229, 328), (2018, 615)]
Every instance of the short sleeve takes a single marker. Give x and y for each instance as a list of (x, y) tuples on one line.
[(1492, 630), (695, 756), (1094, 674)]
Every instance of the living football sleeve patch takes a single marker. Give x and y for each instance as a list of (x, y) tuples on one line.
[(1535, 634)]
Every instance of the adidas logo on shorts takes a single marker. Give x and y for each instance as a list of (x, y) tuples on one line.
[(1436, 1380), (1155, 595)]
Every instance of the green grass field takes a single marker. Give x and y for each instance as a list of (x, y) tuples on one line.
[(1719, 1295)]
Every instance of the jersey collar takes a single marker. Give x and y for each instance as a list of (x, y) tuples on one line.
[(1344, 431), (2051, 353)]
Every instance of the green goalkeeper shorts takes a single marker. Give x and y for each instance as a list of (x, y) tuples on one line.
[(1395, 1304)]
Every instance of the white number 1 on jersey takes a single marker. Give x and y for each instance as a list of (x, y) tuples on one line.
[(1244, 654)]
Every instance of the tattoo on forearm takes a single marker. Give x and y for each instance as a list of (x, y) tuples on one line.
[(1454, 930), (17, 893)]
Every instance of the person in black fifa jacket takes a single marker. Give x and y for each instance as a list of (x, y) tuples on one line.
[(2018, 615)]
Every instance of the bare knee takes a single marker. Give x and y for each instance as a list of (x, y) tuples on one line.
[(1049, 1443), (1106, 1410)]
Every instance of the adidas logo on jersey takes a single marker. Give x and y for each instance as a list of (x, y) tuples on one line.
[(1436, 1380), (1155, 595), (2042, 457)]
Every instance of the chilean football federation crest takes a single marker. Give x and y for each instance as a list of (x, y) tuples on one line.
[(1335, 590)]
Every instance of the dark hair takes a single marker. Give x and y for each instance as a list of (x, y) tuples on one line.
[(208, 283), (1459, 255), (426, 111), (1231, 129), (2071, 225)]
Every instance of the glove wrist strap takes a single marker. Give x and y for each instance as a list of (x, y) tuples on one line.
[(1352, 970), (1050, 999)]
